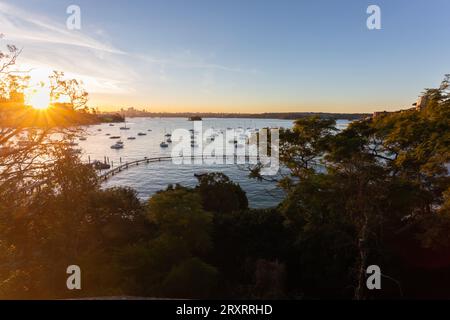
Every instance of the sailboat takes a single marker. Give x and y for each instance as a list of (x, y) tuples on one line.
[(125, 126)]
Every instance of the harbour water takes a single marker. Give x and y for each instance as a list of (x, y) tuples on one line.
[(147, 179)]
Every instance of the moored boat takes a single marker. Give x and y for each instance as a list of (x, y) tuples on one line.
[(117, 146)]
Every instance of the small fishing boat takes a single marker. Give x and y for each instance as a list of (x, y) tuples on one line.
[(83, 139), (142, 134), (169, 140), (131, 138), (115, 137), (163, 144)]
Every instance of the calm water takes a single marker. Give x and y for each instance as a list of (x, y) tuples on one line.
[(150, 178)]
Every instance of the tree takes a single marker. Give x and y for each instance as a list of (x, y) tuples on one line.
[(69, 221), (178, 213), (380, 179), (70, 90), (171, 264), (241, 239), (27, 138), (219, 194), (302, 147)]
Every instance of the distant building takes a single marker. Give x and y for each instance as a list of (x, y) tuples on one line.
[(422, 102), (133, 112)]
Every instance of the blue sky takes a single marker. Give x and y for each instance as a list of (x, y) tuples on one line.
[(238, 56)]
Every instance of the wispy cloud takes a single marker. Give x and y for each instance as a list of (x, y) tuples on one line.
[(187, 60), (22, 25), (51, 46)]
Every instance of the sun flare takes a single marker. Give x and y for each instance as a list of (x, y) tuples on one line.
[(39, 99)]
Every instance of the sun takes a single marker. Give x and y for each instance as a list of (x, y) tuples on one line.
[(39, 99)]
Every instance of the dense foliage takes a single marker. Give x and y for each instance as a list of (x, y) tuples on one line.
[(377, 192)]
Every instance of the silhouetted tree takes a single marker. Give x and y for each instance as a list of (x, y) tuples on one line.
[(220, 194)]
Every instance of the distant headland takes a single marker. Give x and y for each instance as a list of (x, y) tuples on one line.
[(134, 113)]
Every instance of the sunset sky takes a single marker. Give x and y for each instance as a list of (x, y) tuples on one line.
[(237, 55)]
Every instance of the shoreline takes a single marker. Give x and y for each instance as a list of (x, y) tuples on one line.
[(275, 116)]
